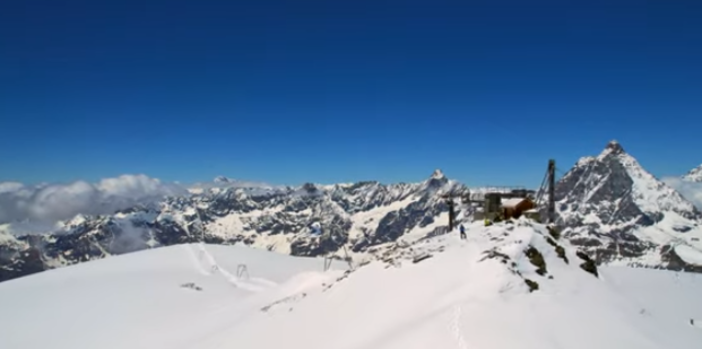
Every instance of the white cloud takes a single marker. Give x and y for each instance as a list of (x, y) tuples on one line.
[(224, 182), (690, 190), (221, 182), (49, 203)]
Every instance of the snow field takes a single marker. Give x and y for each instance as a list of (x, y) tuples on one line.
[(469, 294)]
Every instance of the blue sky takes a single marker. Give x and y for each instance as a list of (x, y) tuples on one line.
[(330, 91)]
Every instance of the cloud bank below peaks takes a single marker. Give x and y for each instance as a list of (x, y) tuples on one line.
[(49, 203)]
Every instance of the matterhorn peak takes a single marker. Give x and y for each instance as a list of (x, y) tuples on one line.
[(437, 180), (614, 148), (630, 214), (438, 174)]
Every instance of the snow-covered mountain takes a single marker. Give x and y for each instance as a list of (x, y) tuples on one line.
[(608, 205), (507, 286), (356, 216), (611, 206), (695, 175)]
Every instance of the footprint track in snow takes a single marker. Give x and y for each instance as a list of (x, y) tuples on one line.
[(456, 327)]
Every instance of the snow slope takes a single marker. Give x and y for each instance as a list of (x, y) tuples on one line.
[(136, 300), (440, 292)]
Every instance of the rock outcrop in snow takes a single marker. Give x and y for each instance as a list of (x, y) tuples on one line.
[(523, 250), (619, 212)]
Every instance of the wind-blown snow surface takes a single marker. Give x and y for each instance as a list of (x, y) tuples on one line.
[(458, 298)]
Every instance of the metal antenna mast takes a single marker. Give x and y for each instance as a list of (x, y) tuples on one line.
[(465, 198), (551, 191)]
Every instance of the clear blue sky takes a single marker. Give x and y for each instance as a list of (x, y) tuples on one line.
[(330, 91)]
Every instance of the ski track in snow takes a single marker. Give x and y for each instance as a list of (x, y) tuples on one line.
[(456, 327), (196, 261), (206, 258), (205, 255), (204, 261)]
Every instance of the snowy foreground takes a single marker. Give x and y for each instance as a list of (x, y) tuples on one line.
[(189, 296)]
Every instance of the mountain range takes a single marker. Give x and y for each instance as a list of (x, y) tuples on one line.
[(607, 205)]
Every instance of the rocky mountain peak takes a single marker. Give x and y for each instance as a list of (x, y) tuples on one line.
[(614, 148), (438, 174), (695, 175), (436, 181), (310, 188), (221, 179), (614, 207)]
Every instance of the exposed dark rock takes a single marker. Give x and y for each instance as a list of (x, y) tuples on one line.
[(422, 257), (533, 285), (492, 254), (553, 231), (588, 264), (560, 251), (537, 259), (191, 285)]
